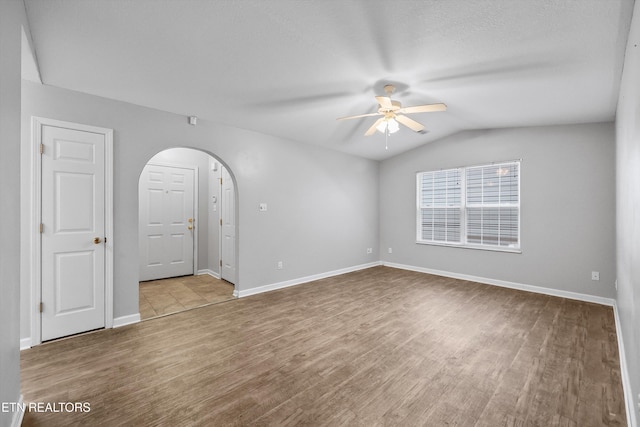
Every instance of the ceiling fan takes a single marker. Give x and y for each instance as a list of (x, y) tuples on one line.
[(393, 113)]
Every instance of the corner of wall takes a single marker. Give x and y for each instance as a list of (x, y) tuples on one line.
[(627, 233)]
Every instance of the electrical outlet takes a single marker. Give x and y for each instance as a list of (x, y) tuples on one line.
[(369, 250), (279, 265), (390, 250), (595, 275)]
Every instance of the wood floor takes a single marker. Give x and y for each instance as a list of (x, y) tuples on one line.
[(374, 347), (166, 296)]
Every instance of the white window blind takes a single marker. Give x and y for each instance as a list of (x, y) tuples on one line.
[(476, 206), (493, 205), (440, 203)]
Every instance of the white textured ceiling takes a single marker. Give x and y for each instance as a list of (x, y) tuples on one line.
[(290, 67)]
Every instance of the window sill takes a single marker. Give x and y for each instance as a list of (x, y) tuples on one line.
[(476, 247)]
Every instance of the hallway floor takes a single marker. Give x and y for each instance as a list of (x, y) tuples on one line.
[(166, 296)]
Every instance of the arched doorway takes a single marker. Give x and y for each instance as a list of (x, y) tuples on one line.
[(187, 238)]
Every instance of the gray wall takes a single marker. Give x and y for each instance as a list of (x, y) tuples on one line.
[(315, 196), (207, 234), (628, 206), (12, 18), (567, 206)]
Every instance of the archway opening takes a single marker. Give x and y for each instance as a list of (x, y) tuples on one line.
[(187, 232)]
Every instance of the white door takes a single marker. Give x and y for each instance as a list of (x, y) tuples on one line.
[(73, 232), (228, 228), (166, 215)]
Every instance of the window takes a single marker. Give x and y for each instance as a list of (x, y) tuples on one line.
[(441, 205), (476, 206)]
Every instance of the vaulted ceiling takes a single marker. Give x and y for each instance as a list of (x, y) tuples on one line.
[(289, 68)]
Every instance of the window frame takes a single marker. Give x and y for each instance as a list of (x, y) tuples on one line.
[(464, 209)]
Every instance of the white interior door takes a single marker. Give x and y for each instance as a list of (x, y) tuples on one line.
[(228, 228), (166, 215), (73, 232)]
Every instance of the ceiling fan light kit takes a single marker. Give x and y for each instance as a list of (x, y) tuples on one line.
[(394, 114), (388, 125)]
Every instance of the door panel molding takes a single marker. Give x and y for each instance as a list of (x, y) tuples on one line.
[(35, 259), (195, 216)]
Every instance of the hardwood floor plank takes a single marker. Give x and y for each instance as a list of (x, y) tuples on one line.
[(374, 347)]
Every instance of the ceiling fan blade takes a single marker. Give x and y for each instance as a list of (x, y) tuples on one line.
[(410, 123), (357, 117), (428, 108), (372, 129), (384, 101)]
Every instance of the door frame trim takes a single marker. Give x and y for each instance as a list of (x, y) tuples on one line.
[(35, 260), (235, 226)]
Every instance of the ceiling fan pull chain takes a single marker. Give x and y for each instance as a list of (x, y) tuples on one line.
[(386, 138)]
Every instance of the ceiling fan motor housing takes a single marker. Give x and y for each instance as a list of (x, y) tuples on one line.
[(395, 106)]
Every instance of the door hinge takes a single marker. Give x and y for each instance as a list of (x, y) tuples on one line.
[(220, 181), (41, 228), (220, 263), (220, 221), (41, 148), (41, 307)]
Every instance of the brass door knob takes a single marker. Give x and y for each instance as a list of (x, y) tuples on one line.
[(97, 240), (190, 227)]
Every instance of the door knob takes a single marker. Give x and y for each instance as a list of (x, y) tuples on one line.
[(96, 240), (190, 227)]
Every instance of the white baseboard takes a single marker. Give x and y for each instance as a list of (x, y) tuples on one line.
[(505, 284), (209, 272), (624, 373), (25, 343), (306, 279), (19, 414), (126, 320)]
